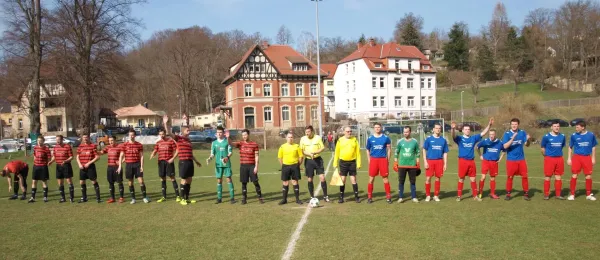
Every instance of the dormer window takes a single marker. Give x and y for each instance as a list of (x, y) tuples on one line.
[(425, 67), (300, 66), (378, 65)]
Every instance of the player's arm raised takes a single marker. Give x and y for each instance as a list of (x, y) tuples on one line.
[(528, 141), (509, 143), (490, 123)]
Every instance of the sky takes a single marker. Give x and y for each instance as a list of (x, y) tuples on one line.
[(346, 18)]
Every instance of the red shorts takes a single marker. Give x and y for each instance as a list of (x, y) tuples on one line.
[(379, 166), (516, 168), (466, 168), (436, 168), (553, 165), (581, 162), (490, 167)]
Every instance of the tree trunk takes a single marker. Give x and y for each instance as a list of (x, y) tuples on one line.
[(209, 96), (35, 55)]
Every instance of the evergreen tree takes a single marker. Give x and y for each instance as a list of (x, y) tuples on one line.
[(486, 64), (456, 51)]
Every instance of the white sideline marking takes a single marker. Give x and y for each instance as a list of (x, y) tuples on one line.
[(296, 235)]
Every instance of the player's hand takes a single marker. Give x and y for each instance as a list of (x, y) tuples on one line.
[(528, 137), (255, 170), (481, 157), (515, 135), (118, 170), (225, 160), (569, 162), (227, 134), (198, 164), (453, 125), (165, 119), (171, 160), (445, 167), (491, 121), (426, 165), (10, 188), (141, 169), (593, 161), (395, 166), (81, 166)]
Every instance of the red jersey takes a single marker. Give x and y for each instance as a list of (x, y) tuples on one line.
[(62, 153), (86, 153), (113, 152), (248, 151), (132, 151), (14, 167), (184, 148), (330, 138), (165, 149), (41, 155)]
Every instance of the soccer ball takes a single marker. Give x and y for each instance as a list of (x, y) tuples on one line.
[(314, 203)]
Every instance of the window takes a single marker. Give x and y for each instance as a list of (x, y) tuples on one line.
[(251, 68), (409, 83), (313, 89), (347, 86), (330, 83), (348, 101), (423, 98), (411, 101), (354, 102), (374, 82), (353, 68), (285, 113), (382, 82), (422, 83), (257, 67), (397, 83), (20, 124), (300, 67), (429, 83), (378, 65), (299, 89), (267, 90), (397, 64), (313, 113), (268, 114), (330, 93), (374, 101), (10, 121), (382, 101), (353, 85), (430, 101), (375, 115), (247, 90), (397, 101), (285, 90), (398, 115), (299, 113), (409, 65), (346, 68), (425, 67)]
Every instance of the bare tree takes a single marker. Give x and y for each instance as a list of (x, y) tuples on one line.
[(307, 45), (284, 36), (537, 31), (498, 27)]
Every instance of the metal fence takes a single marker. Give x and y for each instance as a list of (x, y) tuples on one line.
[(487, 84)]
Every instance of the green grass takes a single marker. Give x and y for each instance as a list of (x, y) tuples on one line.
[(447, 230), (491, 96)]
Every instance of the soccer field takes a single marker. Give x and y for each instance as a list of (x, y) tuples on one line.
[(489, 229)]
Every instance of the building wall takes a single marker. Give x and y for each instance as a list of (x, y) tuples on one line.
[(328, 104), (132, 121), (205, 119)]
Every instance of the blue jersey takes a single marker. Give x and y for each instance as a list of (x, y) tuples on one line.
[(377, 146), (515, 151), (582, 144), (466, 146), (436, 147), (491, 149), (553, 144)]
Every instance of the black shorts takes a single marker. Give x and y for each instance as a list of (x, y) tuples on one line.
[(290, 172), (247, 173), (40, 173), (347, 168), (24, 172), (166, 169), (89, 173), (186, 169), (112, 175), (132, 170), (64, 171), (314, 165)]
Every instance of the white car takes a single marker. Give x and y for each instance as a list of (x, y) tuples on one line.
[(10, 144)]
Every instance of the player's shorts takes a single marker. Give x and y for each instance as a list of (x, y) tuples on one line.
[(466, 168), (89, 173), (490, 167), (554, 166), (347, 168), (40, 173), (379, 166), (247, 173), (112, 175), (581, 163), (186, 169), (166, 169), (133, 170), (436, 168), (313, 165), (64, 171), (516, 168), (290, 172), (24, 172), (221, 172)]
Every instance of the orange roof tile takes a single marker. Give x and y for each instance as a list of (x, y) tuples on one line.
[(386, 50), (329, 69), (138, 110)]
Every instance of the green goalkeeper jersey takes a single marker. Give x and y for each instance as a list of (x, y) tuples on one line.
[(220, 149), (407, 152)]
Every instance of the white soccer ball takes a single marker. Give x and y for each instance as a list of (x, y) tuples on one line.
[(314, 203)]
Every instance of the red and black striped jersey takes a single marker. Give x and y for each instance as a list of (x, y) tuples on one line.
[(248, 152), (86, 153), (14, 167), (165, 149), (132, 151), (113, 152), (62, 153), (184, 148), (41, 155)]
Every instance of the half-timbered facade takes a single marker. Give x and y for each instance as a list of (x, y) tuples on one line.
[(272, 87)]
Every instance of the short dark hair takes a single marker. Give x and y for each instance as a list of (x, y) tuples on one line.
[(112, 137), (554, 122), (376, 123), (132, 131), (4, 172), (246, 131), (408, 127), (581, 123), (220, 128), (437, 124), (309, 127), (41, 137), (469, 126), (162, 130), (515, 120), (60, 136)]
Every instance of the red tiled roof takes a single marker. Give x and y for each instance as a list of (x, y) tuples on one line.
[(138, 110), (386, 50), (329, 69)]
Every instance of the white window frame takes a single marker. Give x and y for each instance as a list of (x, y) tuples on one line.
[(422, 83), (301, 85), (382, 102), (313, 86), (374, 82), (398, 83), (375, 102), (298, 118), (353, 67), (409, 65), (246, 90), (381, 82), (423, 101), (347, 86), (286, 87), (346, 68), (315, 110), (410, 84), (270, 88), (270, 111), (398, 101), (353, 85), (348, 102), (430, 101), (409, 100), (397, 64), (354, 100), (429, 82), (283, 113)]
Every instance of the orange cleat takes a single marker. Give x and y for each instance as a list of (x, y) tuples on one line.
[(111, 200), (121, 200)]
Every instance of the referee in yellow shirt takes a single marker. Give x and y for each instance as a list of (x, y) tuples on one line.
[(347, 156), (312, 146), (290, 158)]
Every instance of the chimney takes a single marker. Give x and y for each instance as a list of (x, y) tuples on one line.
[(265, 44), (146, 104), (359, 45), (372, 42)]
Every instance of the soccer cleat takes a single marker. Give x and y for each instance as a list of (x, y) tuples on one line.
[(436, 198), (191, 201), (99, 200), (183, 202), (480, 195), (357, 200), (62, 200), (218, 201), (82, 200), (261, 200), (458, 199), (178, 199), (477, 198), (283, 202), (494, 196), (161, 200), (559, 198), (507, 198), (45, 199), (526, 197), (23, 197), (428, 198), (571, 197), (132, 201), (369, 201), (400, 200), (111, 200), (341, 200), (299, 202), (244, 202), (146, 200), (232, 201), (72, 200), (32, 200), (121, 200), (326, 199), (546, 197), (14, 197), (590, 197), (415, 200), (389, 201)]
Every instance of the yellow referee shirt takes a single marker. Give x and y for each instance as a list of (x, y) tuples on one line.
[(311, 145), (290, 153), (347, 149)]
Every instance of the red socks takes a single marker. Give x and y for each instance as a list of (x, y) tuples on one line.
[(493, 186), (525, 183), (370, 190), (437, 188), (474, 188), (509, 184), (546, 188), (481, 185), (427, 189), (460, 188), (588, 187), (557, 187), (574, 185), (387, 190)]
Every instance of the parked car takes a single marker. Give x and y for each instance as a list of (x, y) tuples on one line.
[(428, 127), (9, 144), (73, 141), (561, 122), (393, 130), (576, 120), (540, 123), (196, 137), (474, 126)]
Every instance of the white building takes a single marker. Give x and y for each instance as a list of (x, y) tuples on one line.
[(385, 81)]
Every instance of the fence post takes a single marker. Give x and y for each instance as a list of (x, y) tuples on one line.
[(265, 139)]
